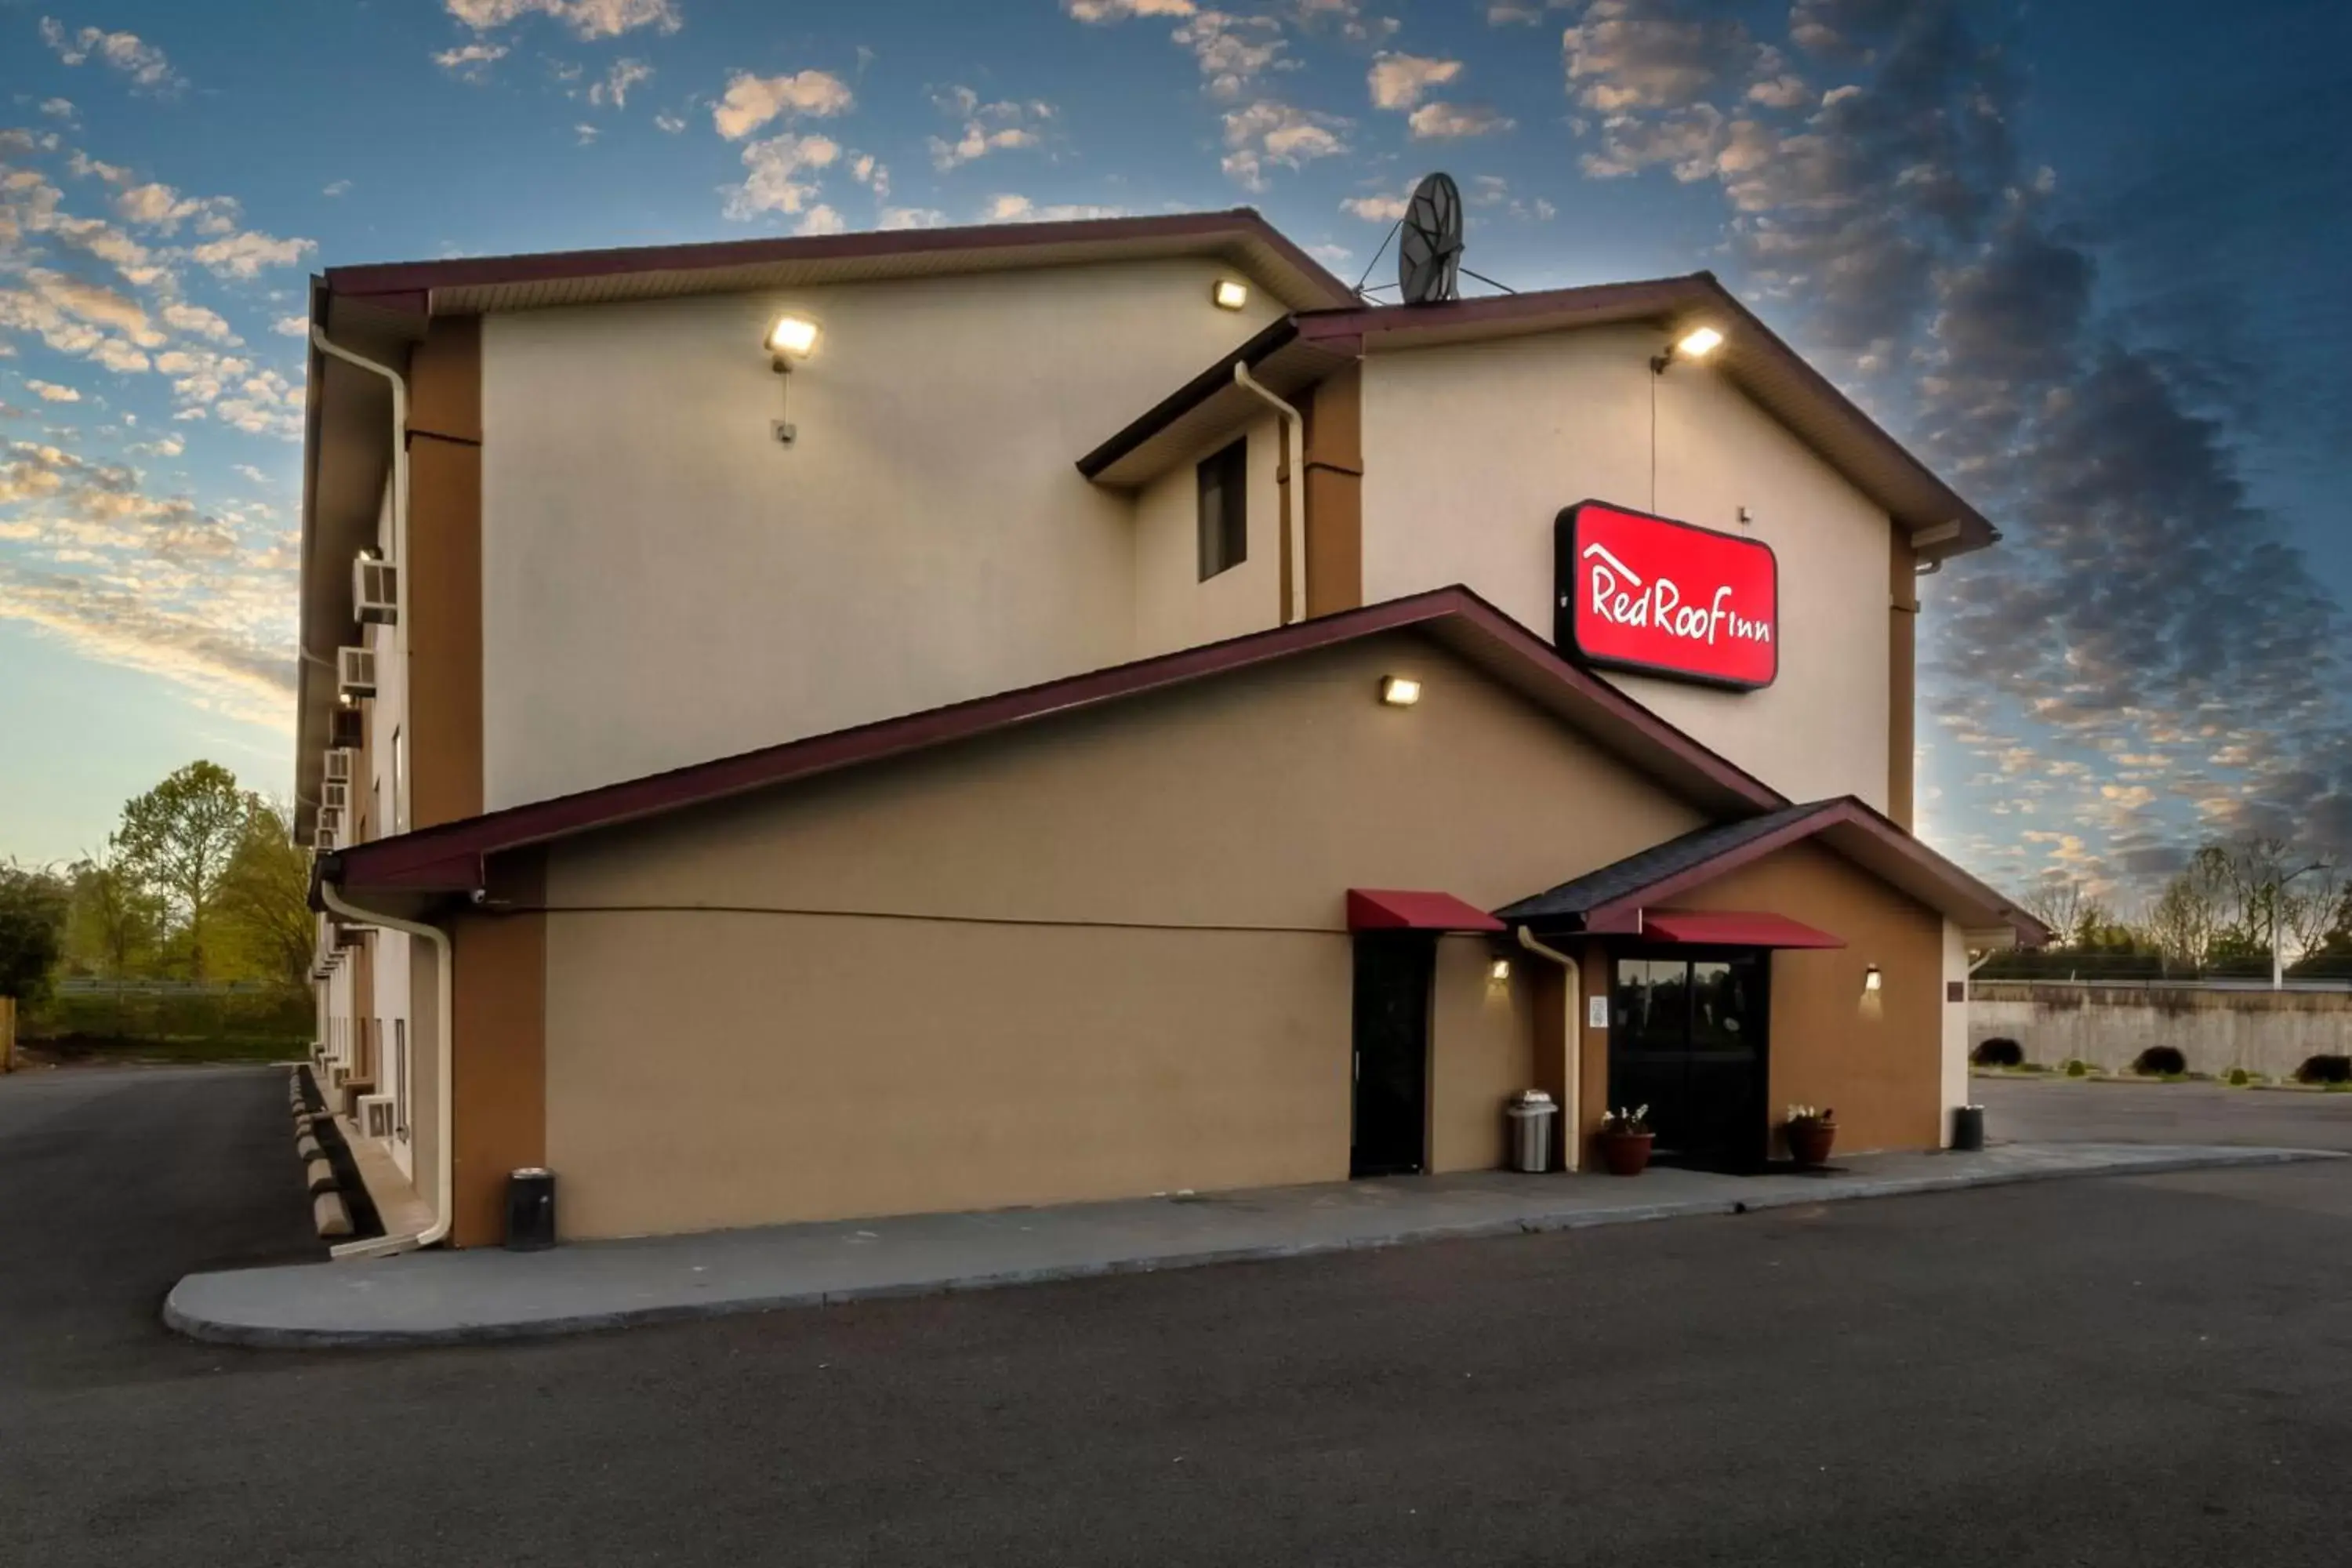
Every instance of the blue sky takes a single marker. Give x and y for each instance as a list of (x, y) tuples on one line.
[(2079, 255)]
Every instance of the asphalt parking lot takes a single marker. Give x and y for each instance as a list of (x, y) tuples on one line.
[(2122, 1371)]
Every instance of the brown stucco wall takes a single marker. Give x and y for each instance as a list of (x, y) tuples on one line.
[(1876, 1061), (499, 1086), (1098, 956), (445, 566)]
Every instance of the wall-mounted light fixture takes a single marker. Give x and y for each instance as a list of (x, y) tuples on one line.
[(1230, 294), (1500, 970), (1400, 690), (1695, 345), (792, 338), (1870, 980)]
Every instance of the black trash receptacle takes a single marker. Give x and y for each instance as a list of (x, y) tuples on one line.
[(1968, 1129), (530, 1209)]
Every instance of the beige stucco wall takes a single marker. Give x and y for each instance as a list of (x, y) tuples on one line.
[(1180, 1018), (1173, 608), (1471, 451), (663, 583), (1954, 1090)]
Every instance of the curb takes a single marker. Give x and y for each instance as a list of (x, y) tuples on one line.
[(265, 1337)]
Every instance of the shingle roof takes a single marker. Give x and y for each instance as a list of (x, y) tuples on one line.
[(1574, 899)]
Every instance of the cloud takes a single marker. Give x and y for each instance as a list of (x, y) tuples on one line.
[(164, 209), (587, 19), (751, 101), (1376, 209), (1021, 209), (245, 255), (870, 171), (1267, 132), (585, 133), (670, 124), (50, 392), (471, 62), (987, 127), (913, 217), (772, 180), (1232, 51), (291, 326), (336, 188), (1400, 81), (1120, 10), (1436, 122), (614, 89), (1650, 54), (59, 109), (198, 322), (141, 61), (821, 219)]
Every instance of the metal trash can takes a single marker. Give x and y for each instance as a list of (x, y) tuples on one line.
[(1968, 1129), (530, 1209), (1531, 1114)]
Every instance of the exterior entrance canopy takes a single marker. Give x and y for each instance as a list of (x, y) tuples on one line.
[(1732, 927)]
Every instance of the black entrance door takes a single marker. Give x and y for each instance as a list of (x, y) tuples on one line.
[(1687, 1038), (1392, 977)]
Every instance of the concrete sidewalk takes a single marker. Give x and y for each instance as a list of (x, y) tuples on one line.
[(444, 1298)]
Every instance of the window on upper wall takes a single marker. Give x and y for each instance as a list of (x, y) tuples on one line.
[(1224, 509)]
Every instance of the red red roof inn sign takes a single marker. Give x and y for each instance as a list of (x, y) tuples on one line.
[(1660, 597)]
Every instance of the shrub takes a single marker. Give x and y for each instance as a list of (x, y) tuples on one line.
[(1997, 1052), (2239, 1077), (2077, 1067), (2325, 1069), (2160, 1061)]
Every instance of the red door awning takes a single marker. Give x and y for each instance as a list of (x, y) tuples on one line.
[(1385, 909), (1732, 927)]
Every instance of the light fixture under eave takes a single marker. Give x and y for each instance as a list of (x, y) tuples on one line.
[(792, 338), (1500, 969), (1695, 345), (1400, 690), (1871, 979), (1230, 294)]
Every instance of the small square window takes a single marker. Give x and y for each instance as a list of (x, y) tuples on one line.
[(1224, 509)]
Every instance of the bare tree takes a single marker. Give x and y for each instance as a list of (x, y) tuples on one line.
[(2058, 901), (2188, 915)]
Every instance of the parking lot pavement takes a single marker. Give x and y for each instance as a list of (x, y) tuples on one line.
[(2060, 1110), (2102, 1371), (116, 1181)]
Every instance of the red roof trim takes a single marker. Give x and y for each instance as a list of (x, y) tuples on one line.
[(1385, 909), (421, 278), (1733, 928), (428, 860)]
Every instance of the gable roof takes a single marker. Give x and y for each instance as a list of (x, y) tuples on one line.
[(451, 858), (472, 285), (1293, 355), (1613, 898)]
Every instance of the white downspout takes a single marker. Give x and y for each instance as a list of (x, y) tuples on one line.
[(319, 338), (1571, 1115), (445, 1178), (1294, 547)]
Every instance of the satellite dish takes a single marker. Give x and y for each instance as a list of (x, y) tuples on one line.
[(1428, 245)]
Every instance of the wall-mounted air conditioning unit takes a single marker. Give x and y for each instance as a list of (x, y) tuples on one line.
[(336, 1076), (339, 764), (334, 796), (375, 1115), (355, 671), (323, 841), (330, 820), (375, 590)]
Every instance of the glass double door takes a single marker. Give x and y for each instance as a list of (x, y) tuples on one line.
[(1687, 1038)]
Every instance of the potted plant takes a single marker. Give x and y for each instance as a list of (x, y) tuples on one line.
[(1810, 1133), (1626, 1140)]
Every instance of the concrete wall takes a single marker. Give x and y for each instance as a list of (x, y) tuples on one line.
[(2270, 1033), (1471, 451), (1095, 957), (1173, 608), (664, 583)]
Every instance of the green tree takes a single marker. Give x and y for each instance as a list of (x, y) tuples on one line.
[(266, 897), (114, 924), (32, 930), (180, 839)]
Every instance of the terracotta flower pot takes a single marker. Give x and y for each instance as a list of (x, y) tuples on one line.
[(1808, 1141), (1626, 1153)]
